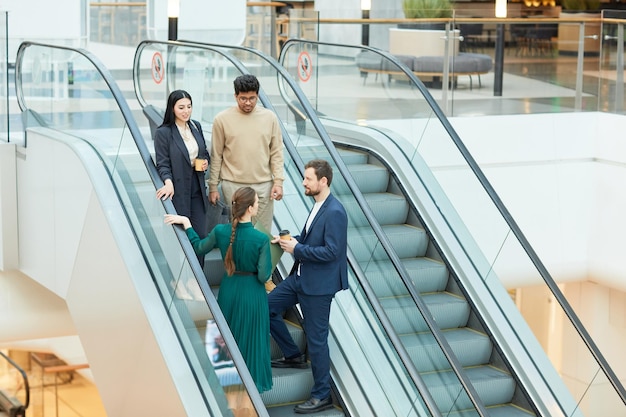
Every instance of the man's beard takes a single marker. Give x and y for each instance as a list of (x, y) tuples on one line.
[(311, 193)]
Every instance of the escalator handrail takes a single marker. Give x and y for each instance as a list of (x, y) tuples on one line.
[(188, 250), (508, 218), (24, 377), (385, 243)]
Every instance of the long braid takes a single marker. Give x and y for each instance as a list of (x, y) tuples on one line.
[(229, 263), (243, 198)]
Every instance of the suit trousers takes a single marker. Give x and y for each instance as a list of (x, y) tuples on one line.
[(316, 312)]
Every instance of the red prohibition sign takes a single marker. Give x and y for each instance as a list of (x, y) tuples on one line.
[(158, 69), (305, 66)]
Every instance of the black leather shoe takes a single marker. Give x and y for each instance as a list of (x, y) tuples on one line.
[(313, 405), (297, 362)]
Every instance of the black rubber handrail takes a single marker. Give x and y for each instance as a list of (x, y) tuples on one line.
[(508, 218), (168, 206)]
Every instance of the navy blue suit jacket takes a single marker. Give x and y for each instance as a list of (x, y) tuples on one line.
[(172, 161), (321, 252)]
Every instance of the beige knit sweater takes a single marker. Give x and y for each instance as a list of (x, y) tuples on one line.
[(246, 147)]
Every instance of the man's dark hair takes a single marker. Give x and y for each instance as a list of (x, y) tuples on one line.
[(321, 168), (246, 83)]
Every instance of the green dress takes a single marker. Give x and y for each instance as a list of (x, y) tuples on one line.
[(242, 297)]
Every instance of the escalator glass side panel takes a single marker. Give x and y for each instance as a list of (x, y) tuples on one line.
[(205, 74), (88, 108)]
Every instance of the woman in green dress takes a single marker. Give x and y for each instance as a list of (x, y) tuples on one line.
[(242, 296)]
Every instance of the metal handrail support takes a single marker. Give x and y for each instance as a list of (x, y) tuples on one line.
[(24, 378)]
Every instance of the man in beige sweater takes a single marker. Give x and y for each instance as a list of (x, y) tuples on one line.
[(247, 150)]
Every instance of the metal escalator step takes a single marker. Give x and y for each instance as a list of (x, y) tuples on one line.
[(408, 242), (470, 347), (289, 386), (369, 178), (505, 410), (297, 335), (508, 410), (387, 208), (351, 157), (448, 310), (308, 151), (428, 275), (493, 386), (287, 411)]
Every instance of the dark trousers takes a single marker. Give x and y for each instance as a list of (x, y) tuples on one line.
[(316, 312)]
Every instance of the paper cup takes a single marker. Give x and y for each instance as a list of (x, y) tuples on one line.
[(199, 163)]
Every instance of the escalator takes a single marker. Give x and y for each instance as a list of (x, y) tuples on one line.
[(421, 256), (402, 138), (102, 159), (401, 238)]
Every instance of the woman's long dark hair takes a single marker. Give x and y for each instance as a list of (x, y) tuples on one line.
[(169, 118), (243, 198)]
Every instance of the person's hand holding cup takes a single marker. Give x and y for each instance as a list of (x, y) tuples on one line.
[(200, 164)]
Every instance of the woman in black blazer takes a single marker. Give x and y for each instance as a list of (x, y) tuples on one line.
[(178, 143)]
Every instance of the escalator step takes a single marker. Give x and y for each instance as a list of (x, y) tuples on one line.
[(493, 386), (387, 208), (290, 386), (470, 347), (448, 310), (369, 178), (408, 242), (428, 275)]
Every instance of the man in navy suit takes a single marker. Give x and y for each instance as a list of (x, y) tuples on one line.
[(320, 270)]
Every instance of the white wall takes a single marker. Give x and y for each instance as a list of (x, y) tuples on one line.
[(560, 176), (61, 21), (8, 208)]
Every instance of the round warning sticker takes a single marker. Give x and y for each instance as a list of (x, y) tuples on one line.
[(305, 66), (158, 69)]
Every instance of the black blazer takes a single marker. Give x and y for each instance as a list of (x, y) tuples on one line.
[(172, 161)]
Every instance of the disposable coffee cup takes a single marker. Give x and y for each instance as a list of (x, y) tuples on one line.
[(199, 163), (284, 235)]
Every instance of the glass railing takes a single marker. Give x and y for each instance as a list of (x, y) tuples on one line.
[(4, 77), (611, 71), (70, 91), (304, 139), (14, 385), (496, 251), (550, 62)]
